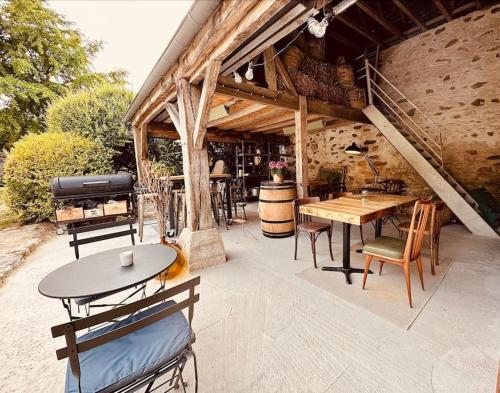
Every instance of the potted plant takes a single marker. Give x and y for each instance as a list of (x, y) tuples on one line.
[(277, 170)]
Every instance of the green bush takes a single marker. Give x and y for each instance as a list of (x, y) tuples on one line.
[(97, 114), (36, 159)]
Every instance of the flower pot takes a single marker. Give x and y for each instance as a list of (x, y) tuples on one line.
[(277, 178)]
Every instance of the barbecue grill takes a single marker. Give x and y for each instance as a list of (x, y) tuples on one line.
[(80, 201)]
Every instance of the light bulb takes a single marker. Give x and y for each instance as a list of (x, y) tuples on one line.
[(312, 25), (249, 73), (237, 77), (321, 29)]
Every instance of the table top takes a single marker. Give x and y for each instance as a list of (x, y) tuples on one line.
[(212, 176), (353, 210), (102, 273)]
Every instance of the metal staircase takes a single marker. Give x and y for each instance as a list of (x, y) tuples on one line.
[(418, 138)]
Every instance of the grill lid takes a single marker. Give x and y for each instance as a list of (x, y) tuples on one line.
[(76, 186)]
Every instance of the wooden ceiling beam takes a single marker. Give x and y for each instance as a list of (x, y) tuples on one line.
[(291, 20), (251, 120), (381, 20), (274, 118), (357, 28), (236, 115), (282, 71), (340, 38), (410, 14), (442, 8), (270, 68), (227, 86), (285, 123), (166, 131)]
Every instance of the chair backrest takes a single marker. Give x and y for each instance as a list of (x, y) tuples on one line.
[(436, 218), (218, 168), (299, 218), (393, 186), (341, 194), (69, 329), (418, 225)]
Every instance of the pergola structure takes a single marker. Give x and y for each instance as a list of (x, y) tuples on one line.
[(193, 77)]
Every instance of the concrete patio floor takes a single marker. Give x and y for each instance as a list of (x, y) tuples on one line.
[(261, 328)]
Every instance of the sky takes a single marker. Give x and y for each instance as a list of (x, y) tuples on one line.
[(134, 32)]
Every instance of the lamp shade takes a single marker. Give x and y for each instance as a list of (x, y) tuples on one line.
[(353, 149)]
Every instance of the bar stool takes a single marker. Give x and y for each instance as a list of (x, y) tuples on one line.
[(217, 190), (180, 208)]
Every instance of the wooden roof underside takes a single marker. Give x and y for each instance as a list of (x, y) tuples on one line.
[(257, 113)]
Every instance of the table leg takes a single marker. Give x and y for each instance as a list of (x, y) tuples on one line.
[(228, 202), (346, 257), (378, 227), (171, 211)]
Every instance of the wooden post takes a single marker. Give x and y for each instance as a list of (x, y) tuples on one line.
[(201, 243), (137, 149), (270, 68), (301, 161), (195, 161)]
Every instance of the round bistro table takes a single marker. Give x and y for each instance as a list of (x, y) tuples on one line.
[(100, 274)]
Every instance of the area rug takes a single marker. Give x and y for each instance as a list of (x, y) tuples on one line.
[(385, 295)]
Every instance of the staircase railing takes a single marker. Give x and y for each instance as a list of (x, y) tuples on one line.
[(393, 100)]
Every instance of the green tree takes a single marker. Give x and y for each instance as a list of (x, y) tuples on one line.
[(35, 159), (42, 57), (97, 114)]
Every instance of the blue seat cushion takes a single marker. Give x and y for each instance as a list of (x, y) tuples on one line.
[(124, 360)]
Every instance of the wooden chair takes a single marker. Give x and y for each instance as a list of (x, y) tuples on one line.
[(432, 231), (304, 223), (343, 194), (396, 251), (140, 342)]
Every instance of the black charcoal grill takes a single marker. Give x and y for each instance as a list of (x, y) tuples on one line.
[(80, 187), (79, 190)]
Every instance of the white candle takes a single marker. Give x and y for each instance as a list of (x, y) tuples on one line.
[(126, 258)]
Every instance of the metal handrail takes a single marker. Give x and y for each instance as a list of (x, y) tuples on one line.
[(406, 114), (436, 154), (371, 82)]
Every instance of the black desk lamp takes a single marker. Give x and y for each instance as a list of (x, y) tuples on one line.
[(356, 150)]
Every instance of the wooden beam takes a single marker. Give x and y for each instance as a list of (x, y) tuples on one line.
[(165, 131), (282, 71), (194, 161), (357, 28), (227, 86), (410, 14), (292, 19), (270, 68), (236, 115), (208, 90), (173, 113), (144, 141), (381, 20), (284, 123), (443, 10), (231, 24), (249, 121), (343, 40), (301, 161), (137, 149)]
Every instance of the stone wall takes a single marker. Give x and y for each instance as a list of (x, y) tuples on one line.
[(453, 74)]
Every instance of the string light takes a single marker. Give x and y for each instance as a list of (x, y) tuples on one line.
[(249, 73), (237, 77), (318, 29)]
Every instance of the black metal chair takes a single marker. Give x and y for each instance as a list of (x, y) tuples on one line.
[(304, 223), (152, 339)]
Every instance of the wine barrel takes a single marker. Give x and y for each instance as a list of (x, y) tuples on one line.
[(276, 208)]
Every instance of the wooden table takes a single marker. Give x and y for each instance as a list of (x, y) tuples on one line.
[(180, 178), (354, 210), (101, 273)]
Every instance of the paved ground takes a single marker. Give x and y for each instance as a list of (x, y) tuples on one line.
[(260, 328)]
